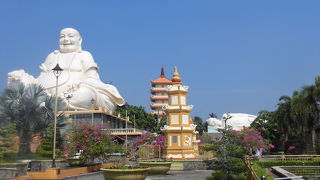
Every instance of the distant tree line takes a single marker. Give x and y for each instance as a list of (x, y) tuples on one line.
[(295, 125)]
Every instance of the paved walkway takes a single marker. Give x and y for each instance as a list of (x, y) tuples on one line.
[(172, 175), (183, 175)]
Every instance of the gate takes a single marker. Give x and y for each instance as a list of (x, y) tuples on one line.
[(149, 152)]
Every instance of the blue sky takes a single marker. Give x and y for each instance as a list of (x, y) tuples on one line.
[(236, 56)]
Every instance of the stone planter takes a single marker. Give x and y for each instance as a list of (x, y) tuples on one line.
[(42, 165), (125, 174), (12, 170), (156, 167)]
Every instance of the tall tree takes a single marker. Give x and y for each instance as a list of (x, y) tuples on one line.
[(213, 115), (311, 96), (143, 120), (283, 118), (201, 127), (29, 108), (267, 125)]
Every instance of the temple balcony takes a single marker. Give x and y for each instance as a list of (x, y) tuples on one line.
[(123, 131), (158, 113), (157, 105), (156, 89), (159, 97)]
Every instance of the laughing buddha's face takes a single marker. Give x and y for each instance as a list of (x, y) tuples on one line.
[(70, 40)]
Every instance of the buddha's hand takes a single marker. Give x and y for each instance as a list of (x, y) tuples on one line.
[(20, 76), (73, 87)]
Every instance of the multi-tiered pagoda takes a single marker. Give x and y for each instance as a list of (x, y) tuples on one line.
[(180, 132), (159, 96)]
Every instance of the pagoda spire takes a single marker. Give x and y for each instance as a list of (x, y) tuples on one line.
[(162, 73), (176, 77)]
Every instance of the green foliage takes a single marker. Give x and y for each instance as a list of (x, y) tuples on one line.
[(260, 171), (29, 108), (303, 171), (6, 140), (294, 122), (201, 126), (45, 148), (268, 164), (213, 115), (220, 175), (267, 125), (140, 117), (91, 141)]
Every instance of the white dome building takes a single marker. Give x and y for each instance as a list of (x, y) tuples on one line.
[(237, 121)]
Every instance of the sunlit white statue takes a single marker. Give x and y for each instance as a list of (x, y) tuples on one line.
[(217, 123), (79, 77)]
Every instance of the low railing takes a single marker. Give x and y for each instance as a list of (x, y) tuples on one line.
[(123, 131)]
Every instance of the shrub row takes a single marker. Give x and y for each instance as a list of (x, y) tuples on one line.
[(268, 164)]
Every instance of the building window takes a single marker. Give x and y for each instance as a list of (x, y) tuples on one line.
[(183, 100), (185, 119), (174, 139), (174, 99), (174, 119)]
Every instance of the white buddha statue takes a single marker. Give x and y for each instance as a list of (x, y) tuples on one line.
[(79, 77)]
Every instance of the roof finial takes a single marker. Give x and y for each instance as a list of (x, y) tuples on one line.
[(162, 73), (176, 78)]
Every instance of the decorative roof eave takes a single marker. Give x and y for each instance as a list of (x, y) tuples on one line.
[(178, 88), (180, 107), (161, 81)]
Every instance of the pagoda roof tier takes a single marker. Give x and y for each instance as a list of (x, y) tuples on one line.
[(157, 105), (159, 97), (161, 81), (158, 89)]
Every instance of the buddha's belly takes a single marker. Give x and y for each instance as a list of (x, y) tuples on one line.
[(66, 81)]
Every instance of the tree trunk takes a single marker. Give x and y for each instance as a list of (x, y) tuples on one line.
[(313, 134), (25, 137)]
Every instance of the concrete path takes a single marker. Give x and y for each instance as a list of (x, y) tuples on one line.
[(172, 175), (183, 175)]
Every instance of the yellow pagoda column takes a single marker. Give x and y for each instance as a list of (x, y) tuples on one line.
[(180, 131)]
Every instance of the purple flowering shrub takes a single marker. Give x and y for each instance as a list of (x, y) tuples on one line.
[(150, 139), (88, 139), (252, 140)]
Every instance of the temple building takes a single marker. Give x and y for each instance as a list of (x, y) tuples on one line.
[(180, 132), (159, 95)]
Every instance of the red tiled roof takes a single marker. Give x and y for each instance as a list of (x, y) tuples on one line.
[(162, 81)]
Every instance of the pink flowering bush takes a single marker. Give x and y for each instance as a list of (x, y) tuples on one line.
[(149, 138), (90, 140), (252, 140)]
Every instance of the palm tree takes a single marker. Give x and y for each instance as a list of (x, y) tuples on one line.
[(283, 117), (30, 108), (213, 115), (311, 95)]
